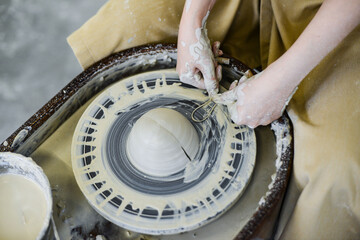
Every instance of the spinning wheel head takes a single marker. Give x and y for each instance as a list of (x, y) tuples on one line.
[(145, 165)]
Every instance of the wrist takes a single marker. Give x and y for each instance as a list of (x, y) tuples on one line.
[(191, 21), (287, 73), (189, 25), (196, 12)]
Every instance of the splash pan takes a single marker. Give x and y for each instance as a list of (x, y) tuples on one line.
[(178, 202)]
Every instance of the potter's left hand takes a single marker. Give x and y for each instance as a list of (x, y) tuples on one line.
[(196, 57), (196, 63), (256, 100)]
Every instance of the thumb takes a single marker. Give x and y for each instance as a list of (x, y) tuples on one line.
[(233, 84), (228, 97)]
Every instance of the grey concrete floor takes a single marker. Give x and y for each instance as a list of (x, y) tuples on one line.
[(35, 59)]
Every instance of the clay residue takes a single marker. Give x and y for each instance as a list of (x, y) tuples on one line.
[(201, 199)]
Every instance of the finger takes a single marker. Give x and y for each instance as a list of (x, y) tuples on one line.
[(249, 74), (193, 79), (199, 79), (192, 82), (218, 73), (209, 76), (192, 76), (237, 116), (243, 79), (249, 120), (269, 118), (233, 84), (226, 98), (234, 114), (216, 49)]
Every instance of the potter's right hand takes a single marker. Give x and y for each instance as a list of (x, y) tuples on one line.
[(257, 100)]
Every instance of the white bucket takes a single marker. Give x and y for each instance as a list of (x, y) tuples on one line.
[(25, 199)]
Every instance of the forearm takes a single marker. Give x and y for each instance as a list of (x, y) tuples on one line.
[(195, 12), (332, 23), (262, 98)]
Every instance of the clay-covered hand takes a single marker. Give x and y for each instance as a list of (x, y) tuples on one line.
[(196, 59), (256, 100)]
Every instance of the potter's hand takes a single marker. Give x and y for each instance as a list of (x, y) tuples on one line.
[(197, 66), (255, 100), (196, 58)]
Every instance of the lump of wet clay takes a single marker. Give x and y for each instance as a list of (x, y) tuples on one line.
[(162, 142)]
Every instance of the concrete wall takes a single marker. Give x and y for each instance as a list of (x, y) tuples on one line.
[(35, 59)]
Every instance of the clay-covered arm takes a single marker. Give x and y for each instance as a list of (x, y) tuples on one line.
[(196, 63), (332, 23), (261, 99)]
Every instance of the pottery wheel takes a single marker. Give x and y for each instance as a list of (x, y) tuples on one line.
[(152, 204)]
